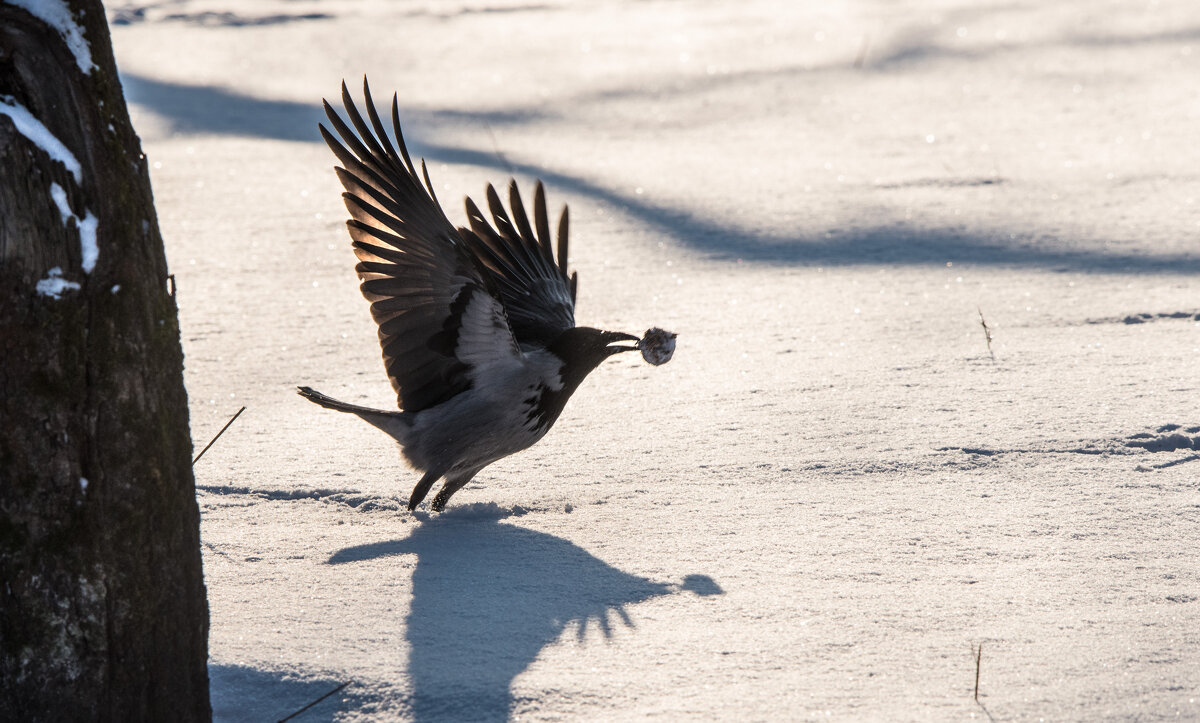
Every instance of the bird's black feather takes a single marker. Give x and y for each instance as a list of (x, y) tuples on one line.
[(411, 261), (422, 274), (534, 288)]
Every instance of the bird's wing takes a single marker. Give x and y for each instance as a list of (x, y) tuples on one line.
[(439, 317), (537, 293)]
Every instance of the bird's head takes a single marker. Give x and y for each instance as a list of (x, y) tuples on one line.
[(583, 348)]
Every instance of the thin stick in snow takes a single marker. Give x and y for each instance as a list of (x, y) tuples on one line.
[(978, 655), (318, 700), (214, 439), (987, 333)]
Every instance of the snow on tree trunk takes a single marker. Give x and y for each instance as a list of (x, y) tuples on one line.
[(103, 613)]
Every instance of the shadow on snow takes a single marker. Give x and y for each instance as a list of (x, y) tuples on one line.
[(244, 694), (489, 596), (209, 109)]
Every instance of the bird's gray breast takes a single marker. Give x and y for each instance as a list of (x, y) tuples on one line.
[(497, 417)]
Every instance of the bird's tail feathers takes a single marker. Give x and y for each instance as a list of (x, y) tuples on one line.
[(393, 423)]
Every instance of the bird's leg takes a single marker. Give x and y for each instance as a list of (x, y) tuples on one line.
[(422, 489), (454, 483)]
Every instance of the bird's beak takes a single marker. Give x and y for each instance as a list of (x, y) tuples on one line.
[(611, 337)]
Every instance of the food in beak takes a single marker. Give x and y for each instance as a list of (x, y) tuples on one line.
[(657, 346)]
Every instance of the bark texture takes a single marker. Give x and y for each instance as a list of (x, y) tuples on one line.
[(103, 614)]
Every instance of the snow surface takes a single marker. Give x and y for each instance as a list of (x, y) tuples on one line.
[(54, 285), (39, 135), (57, 15), (832, 492), (87, 226)]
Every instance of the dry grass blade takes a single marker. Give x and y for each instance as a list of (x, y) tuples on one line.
[(987, 333)]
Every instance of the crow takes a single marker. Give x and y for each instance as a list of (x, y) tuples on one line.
[(477, 325)]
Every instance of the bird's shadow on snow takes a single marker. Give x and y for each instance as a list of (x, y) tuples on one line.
[(488, 596)]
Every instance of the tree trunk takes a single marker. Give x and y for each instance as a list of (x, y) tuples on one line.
[(103, 613)]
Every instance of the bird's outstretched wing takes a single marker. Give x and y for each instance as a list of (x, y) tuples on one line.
[(439, 315), (536, 292)]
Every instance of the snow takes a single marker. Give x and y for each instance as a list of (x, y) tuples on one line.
[(37, 133), (59, 196), (54, 285), (57, 15), (87, 227), (809, 513), (87, 240)]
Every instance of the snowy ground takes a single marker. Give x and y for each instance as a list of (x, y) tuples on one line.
[(833, 492)]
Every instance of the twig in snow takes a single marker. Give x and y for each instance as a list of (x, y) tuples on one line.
[(978, 650), (214, 439), (318, 700), (496, 148), (987, 333)]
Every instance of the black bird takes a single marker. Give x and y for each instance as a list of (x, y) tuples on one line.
[(477, 324)]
